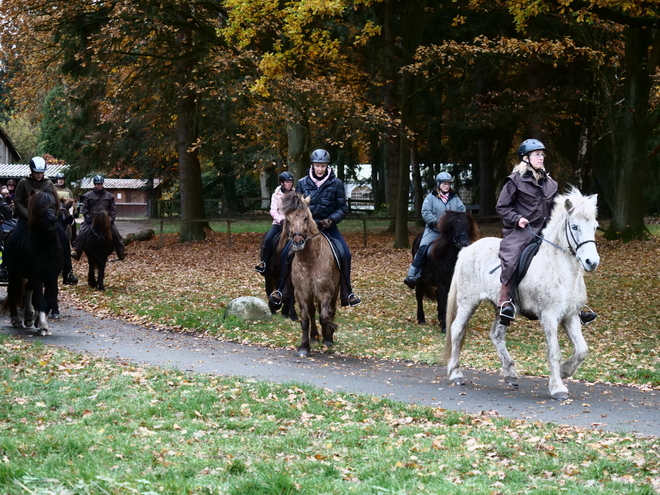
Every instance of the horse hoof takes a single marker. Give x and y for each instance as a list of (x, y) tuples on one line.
[(560, 396), (303, 353), (458, 382), (28, 323), (43, 332), (17, 323), (327, 344), (294, 318), (443, 330), (511, 382)]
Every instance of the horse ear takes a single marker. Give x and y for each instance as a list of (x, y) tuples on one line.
[(568, 204), (594, 199), (307, 200)]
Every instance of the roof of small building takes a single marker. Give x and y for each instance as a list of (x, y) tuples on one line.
[(17, 170), (5, 137), (87, 183)]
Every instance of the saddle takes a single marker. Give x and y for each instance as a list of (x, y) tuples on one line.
[(523, 265), (337, 249)]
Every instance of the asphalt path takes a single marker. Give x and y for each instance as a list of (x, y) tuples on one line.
[(611, 408)]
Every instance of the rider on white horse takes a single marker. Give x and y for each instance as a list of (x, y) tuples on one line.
[(524, 205)]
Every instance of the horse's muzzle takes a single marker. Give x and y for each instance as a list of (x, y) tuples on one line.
[(298, 245)]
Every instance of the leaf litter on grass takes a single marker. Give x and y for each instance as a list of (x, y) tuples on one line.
[(186, 287)]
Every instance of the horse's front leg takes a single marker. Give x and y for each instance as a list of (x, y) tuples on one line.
[(314, 331), (441, 298), (91, 277), (498, 338), (101, 275), (573, 329), (558, 390), (327, 324), (28, 312), (419, 295)]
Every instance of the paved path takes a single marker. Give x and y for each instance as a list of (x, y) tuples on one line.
[(593, 406)]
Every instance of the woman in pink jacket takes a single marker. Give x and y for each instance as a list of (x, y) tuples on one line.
[(286, 186)]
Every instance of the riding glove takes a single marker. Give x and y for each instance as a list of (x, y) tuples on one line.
[(326, 223)]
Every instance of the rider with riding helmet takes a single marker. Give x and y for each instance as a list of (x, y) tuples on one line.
[(65, 193), (36, 181), (439, 201), (524, 204), (286, 186), (95, 200), (328, 207), (11, 186)]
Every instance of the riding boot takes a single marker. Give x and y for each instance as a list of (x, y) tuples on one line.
[(588, 316), (119, 244), (415, 270), (284, 284), (346, 295), (507, 311)]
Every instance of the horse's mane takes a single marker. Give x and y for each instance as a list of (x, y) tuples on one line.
[(572, 201), (38, 201), (446, 238), (296, 202), (101, 224)]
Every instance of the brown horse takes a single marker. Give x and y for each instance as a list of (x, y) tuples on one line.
[(314, 272), (97, 245), (457, 230)]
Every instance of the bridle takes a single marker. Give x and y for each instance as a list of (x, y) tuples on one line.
[(577, 245), (569, 237)]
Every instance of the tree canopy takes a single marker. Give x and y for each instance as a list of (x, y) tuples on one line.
[(177, 87)]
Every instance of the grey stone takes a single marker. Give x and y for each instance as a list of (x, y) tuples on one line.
[(249, 308)]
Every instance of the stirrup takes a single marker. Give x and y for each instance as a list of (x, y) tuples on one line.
[(353, 300), (505, 316), (275, 297), (588, 316)]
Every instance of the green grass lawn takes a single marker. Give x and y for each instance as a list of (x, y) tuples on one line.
[(72, 424)]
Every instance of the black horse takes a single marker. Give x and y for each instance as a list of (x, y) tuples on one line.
[(97, 245), (272, 277), (457, 230), (35, 265)]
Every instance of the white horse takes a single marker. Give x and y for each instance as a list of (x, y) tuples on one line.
[(553, 289)]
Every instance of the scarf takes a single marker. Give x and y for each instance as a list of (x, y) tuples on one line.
[(319, 181)]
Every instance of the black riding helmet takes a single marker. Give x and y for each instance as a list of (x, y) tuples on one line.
[(286, 175), (529, 145), (98, 179)]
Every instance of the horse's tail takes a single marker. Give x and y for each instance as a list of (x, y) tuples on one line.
[(452, 307)]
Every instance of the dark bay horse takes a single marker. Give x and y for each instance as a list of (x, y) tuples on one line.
[(97, 245), (272, 277), (457, 230), (35, 265), (314, 272)]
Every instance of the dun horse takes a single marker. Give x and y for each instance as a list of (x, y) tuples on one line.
[(314, 272), (35, 265), (97, 245), (552, 290), (457, 230)]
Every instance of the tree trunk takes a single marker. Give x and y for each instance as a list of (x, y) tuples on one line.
[(392, 138), (487, 199), (298, 146), (190, 173), (631, 139)]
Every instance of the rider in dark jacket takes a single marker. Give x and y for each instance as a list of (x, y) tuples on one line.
[(328, 207), (525, 204), (94, 201), (35, 182)]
